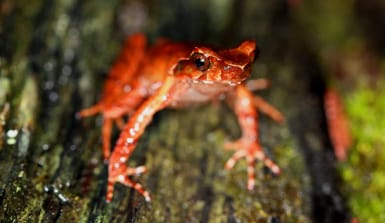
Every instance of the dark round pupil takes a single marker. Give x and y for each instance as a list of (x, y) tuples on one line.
[(201, 62)]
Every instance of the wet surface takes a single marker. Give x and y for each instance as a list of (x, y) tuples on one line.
[(65, 50)]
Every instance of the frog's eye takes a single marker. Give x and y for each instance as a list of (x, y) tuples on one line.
[(201, 62)]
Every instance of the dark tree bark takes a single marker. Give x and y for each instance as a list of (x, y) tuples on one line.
[(54, 56)]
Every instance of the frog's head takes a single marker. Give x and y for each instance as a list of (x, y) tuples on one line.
[(230, 66)]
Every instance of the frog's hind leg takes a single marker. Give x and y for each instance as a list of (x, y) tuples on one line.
[(106, 137), (115, 114), (119, 122), (257, 84), (268, 109), (90, 111)]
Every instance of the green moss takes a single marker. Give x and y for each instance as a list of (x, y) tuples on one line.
[(364, 173), (4, 89), (188, 164)]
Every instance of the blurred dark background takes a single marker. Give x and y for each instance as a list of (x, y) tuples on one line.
[(55, 56)]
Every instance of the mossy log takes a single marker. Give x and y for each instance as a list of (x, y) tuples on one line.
[(54, 56)]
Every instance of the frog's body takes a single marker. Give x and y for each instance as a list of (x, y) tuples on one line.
[(146, 80)]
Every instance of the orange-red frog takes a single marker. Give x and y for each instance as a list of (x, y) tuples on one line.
[(145, 80)]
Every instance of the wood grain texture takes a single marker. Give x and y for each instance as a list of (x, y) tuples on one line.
[(54, 56)]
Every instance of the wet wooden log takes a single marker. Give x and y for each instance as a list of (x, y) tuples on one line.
[(54, 58)]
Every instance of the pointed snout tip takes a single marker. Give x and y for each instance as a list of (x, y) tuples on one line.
[(250, 48)]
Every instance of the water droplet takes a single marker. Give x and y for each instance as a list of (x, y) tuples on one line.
[(48, 66), (62, 198), (48, 85), (73, 147), (11, 136), (69, 54), (45, 147), (46, 188), (12, 133), (53, 96), (21, 174), (67, 183), (66, 70)]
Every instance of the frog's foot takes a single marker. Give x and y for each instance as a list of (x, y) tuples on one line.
[(252, 151), (121, 175)]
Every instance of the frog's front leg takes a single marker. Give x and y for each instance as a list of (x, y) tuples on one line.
[(117, 169), (248, 146)]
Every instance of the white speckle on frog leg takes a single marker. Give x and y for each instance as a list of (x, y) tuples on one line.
[(129, 140)]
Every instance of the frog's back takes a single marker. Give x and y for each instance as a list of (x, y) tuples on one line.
[(142, 67), (160, 59)]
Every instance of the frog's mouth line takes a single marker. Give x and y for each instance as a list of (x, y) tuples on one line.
[(229, 83)]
